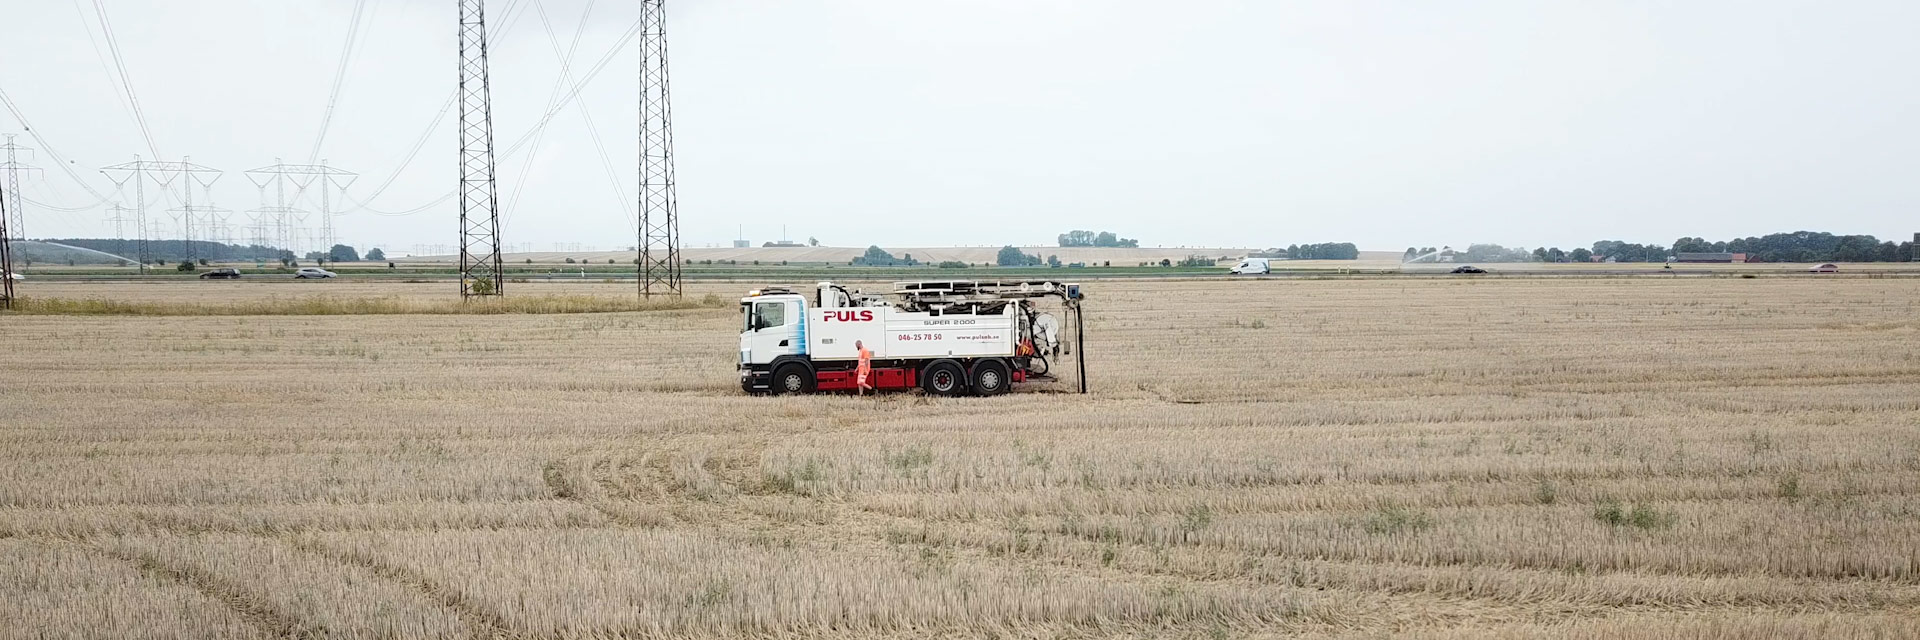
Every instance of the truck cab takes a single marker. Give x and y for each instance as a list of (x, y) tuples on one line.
[(772, 331)]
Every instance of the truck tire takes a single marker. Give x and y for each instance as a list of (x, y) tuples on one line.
[(944, 378), (991, 378), (790, 378)]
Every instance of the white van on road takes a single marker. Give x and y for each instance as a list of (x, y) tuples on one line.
[(1252, 266)]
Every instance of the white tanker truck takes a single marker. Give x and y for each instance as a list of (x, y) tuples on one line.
[(947, 337)]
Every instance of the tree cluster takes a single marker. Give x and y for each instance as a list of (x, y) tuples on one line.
[(1080, 238), (173, 251), (1629, 252), (1323, 251), (1803, 246), (339, 253), (1011, 256), (878, 257), (1798, 246), (1494, 253)]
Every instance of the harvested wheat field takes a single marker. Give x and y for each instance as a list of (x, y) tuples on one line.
[(1430, 458)]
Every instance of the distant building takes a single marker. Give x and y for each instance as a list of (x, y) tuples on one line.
[(742, 244), (783, 243)]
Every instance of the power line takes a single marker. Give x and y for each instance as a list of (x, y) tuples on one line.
[(62, 162), (404, 212), (10, 172), (360, 204), (520, 142), (49, 205), (559, 82), (119, 62), (101, 58), (586, 115), (575, 92), (408, 160), (339, 77)]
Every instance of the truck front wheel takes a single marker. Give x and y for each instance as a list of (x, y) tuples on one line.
[(791, 378), (943, 378)]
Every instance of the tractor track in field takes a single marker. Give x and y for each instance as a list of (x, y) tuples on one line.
[(484, 622), (668, 481), (717, 483), (259, 615)]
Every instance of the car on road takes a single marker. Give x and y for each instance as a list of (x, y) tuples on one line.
[(220, 274), (1252, 266), (1467, 268), (16, 276), (1825, 268), (312, 272)]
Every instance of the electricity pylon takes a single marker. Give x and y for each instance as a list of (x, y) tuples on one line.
[(480, 272), (659, 212), (118, 216), (162, 173), (302, 176), (16, 214), (6, 258)]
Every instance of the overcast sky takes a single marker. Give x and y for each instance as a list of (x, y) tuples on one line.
[(948, 122)]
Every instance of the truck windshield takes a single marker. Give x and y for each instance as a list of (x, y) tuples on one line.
[(770, 314)]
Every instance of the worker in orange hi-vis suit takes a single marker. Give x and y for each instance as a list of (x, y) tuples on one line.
[(865, 368)]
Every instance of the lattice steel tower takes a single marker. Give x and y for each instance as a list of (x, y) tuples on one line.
[(659, 211), (6, 259), (479, 208), (16, 214), (162, 173)]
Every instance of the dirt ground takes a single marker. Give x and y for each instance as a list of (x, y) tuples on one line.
[(1506, 457)]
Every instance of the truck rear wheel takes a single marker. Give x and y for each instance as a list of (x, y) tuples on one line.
[(990, 378), (943, 378), (791, 378)]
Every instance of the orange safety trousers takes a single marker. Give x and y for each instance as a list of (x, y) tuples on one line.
[(865, 367)]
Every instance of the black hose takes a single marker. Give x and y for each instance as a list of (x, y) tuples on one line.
[(1042, 370)]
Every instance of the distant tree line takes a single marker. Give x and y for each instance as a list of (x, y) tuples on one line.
[(173, 251), (1804, 246), (1798, 246), (1322, 251), (1079, 238)]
